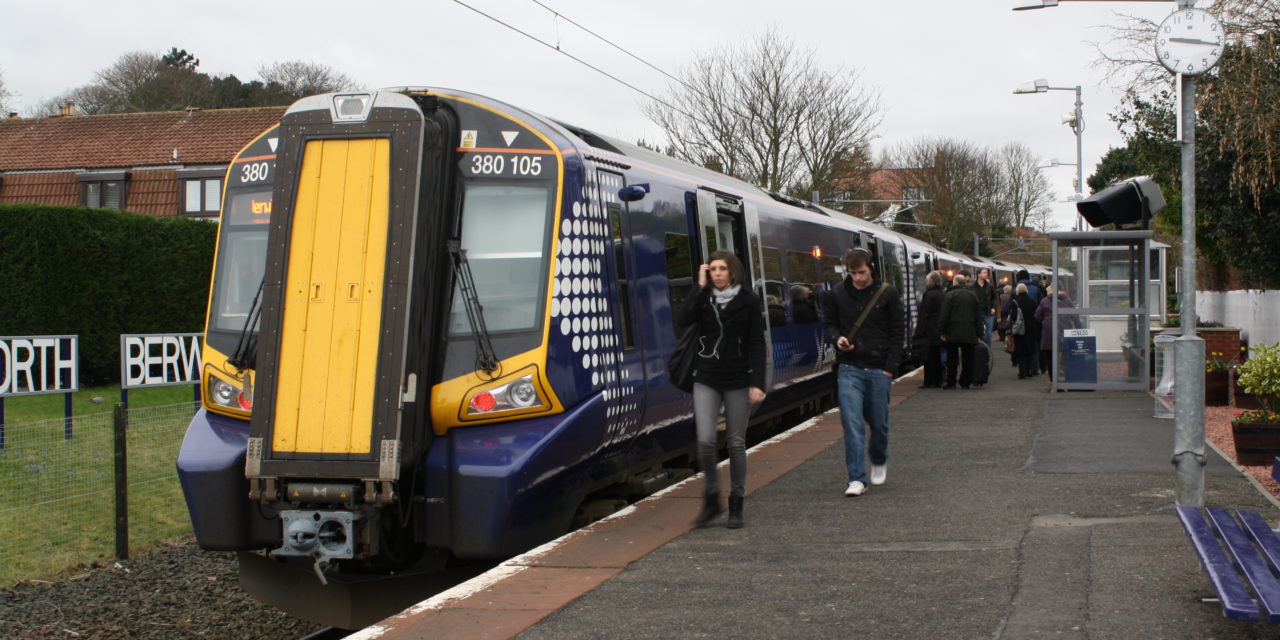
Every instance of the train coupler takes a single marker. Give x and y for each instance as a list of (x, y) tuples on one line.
[(324, 536)]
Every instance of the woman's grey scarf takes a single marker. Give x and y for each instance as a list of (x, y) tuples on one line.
[(723, 296)]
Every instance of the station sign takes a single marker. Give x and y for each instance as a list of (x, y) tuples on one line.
[(34, 365), (159, 359)]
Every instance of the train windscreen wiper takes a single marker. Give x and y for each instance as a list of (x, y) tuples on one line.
[(246, 353), (486, 359)]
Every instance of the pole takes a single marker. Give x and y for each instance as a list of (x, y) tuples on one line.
[(120, 424), (1079, 153), (1188, 431)]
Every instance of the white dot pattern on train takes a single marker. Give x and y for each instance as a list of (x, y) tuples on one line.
[(582, 310)]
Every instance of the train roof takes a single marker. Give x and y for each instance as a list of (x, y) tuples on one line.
[(622, 151)]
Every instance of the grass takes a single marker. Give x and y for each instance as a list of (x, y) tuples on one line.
[(57, 507), (23, 409)]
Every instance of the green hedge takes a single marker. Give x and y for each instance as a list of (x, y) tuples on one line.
[(99, 273)]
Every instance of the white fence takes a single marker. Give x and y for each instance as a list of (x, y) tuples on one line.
[(1256, 313)]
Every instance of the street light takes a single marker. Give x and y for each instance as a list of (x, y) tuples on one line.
[(1075, 119), (1041, 4)]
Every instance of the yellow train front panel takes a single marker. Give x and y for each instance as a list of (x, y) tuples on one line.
[(333, 299)]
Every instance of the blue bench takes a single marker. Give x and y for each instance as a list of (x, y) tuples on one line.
[(1241, 554)]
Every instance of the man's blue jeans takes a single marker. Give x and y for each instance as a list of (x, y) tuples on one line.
[(988, 325), (864, 398)]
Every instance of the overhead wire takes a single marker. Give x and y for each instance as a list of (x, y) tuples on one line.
[(575, 58), (614, 45)]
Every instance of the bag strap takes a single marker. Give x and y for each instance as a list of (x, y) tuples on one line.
[(866, 311)]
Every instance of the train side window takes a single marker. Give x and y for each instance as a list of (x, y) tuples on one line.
[(618, 237), (832, 269), (802, 267), (891, 260), (679, 271), (774, 289)]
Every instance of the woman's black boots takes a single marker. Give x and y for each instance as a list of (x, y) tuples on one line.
[(710, 509), (735, 512)]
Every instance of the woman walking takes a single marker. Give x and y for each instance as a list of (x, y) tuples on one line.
[(1027, 344), (926, 334), (729, 372)]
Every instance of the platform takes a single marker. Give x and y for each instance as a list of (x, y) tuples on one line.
[(1009, 512)]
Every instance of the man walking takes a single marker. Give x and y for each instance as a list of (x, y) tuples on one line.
[(960, 328), (864, 320)]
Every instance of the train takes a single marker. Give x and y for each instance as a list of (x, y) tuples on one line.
[(438, 328)]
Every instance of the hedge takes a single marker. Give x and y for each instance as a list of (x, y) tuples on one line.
[(98, 273)]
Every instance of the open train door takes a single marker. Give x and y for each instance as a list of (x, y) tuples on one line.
[(728, 222)]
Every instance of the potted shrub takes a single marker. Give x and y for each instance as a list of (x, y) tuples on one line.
[(1257, 432), (1239, 397)]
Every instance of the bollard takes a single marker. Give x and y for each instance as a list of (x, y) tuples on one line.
[(1188, 420)]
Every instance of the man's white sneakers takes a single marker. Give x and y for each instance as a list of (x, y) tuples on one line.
[(878, 473), (856, 488)]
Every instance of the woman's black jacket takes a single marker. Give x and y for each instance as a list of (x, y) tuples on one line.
[(928, 324), (731, 349)]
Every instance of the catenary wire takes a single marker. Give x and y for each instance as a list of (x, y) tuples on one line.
[(577, 59)]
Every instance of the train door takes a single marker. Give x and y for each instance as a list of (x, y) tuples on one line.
[(726, 222), (624, 389), (894, 267)]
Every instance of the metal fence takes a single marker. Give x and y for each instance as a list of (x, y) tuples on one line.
[(59, 494)]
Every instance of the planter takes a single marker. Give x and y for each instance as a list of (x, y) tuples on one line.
[(1257, 443), (1240, 399), (1215, 388)]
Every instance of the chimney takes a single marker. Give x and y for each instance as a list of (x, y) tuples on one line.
[(13, 115), (68, 109)]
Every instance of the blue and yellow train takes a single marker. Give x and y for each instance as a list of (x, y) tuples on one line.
[(439, 325)]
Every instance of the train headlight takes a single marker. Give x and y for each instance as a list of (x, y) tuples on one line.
[(225, 394), (221, 392), (517, 394)]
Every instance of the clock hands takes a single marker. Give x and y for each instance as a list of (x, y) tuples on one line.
[(1195, 41)]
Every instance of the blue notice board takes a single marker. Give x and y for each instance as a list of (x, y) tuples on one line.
[(1079, 355)]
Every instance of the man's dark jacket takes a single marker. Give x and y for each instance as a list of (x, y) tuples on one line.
[(879, 341)]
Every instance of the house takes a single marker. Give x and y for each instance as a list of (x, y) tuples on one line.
[(168, 163)]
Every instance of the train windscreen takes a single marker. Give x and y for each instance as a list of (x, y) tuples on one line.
[(504, 235)]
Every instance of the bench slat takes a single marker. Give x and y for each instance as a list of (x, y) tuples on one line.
[(1250, 563), (1236, 601), (1263, 535)]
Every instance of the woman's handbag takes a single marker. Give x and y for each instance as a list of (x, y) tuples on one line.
[(1010, 344), (1019, 327), (680, 366)]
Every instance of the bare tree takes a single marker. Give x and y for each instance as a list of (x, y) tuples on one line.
[(116, 88), (768, 114), (300, 78), (5, 94), (972, 190), (1027, 192)]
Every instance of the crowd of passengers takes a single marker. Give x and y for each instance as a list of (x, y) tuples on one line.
[(959, 322)]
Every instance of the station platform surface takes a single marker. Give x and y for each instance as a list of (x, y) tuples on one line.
[(1009, 512)]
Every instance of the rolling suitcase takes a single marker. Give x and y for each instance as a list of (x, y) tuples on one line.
[(981, 364)]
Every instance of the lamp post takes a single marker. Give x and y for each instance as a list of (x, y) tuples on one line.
[(1075, 119)]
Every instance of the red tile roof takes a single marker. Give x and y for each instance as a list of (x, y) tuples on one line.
[(128, 140)]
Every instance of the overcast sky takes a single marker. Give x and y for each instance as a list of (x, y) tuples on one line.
[(944, 68)]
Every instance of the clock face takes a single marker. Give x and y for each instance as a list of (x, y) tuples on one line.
[(1189, 41)]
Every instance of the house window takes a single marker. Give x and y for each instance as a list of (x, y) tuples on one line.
[(103, 190), (201, 192), (202, 196)]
